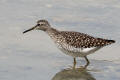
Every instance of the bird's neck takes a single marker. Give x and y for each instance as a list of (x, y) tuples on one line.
[(52, 32)]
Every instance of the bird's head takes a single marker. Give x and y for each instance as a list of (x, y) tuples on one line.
[(41, 25)]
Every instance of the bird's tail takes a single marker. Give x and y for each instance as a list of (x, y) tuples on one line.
[(110, 41)]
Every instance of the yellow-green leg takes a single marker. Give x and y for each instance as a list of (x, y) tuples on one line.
[(87, 61), (74, 63)]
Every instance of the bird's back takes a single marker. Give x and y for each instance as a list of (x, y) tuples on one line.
[(81, 40)]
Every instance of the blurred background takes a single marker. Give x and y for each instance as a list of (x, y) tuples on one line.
[(34, 56)]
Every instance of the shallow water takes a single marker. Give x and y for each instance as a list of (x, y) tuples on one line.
[(33, 56)]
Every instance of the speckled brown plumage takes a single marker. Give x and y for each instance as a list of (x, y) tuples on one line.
[(81, 40)]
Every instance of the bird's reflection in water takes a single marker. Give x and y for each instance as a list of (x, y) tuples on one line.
[(73, 74)]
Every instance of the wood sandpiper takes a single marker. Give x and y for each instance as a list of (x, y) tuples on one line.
[(72, 43)]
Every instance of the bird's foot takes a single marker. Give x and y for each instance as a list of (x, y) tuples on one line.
[(71, 67), (82, 67)]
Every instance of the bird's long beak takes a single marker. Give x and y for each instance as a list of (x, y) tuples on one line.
[(30, 29)]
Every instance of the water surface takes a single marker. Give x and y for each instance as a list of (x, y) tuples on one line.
[(33, 56)]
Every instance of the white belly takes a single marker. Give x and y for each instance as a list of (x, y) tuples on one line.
[(77, 52)]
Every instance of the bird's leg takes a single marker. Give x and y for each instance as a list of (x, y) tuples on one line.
[(87, 62), (74, 63)]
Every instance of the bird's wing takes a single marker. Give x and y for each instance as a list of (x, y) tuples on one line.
[(81, 40)]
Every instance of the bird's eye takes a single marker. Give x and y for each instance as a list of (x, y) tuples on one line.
[(38, 24)]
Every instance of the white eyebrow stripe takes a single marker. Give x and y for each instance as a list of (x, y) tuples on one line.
[(42, 23)]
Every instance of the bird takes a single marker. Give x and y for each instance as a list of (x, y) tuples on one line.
[(72, 43)]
